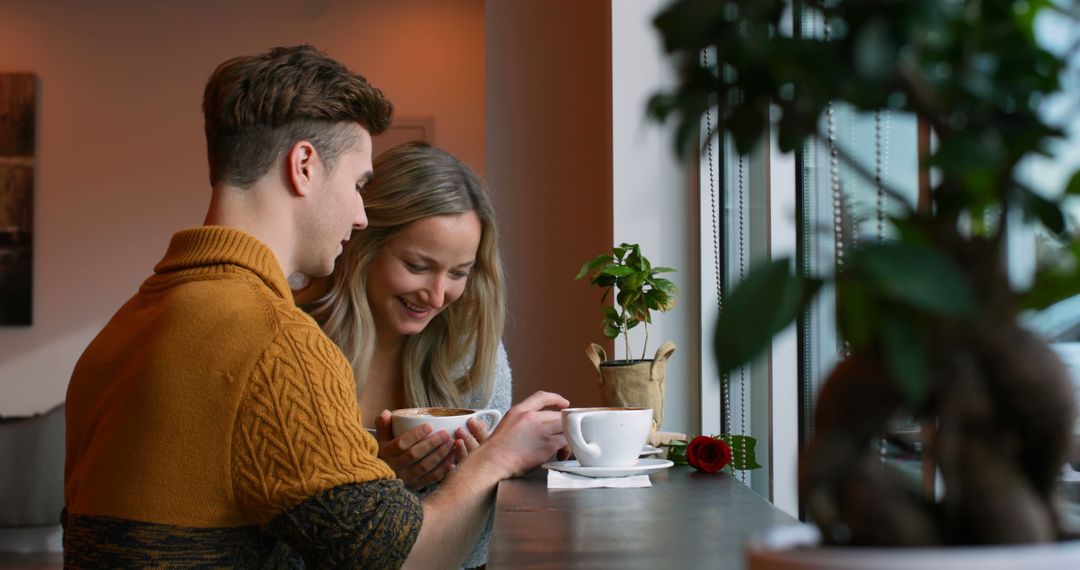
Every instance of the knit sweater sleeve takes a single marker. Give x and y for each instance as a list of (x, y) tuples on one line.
[(303, 463), (502, 391)]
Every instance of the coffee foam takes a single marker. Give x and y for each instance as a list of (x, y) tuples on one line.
[(436, 412)]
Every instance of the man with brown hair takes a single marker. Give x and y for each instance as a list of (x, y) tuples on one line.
[(211, 422)]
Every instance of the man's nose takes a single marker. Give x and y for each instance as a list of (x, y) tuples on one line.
[(361, 215)]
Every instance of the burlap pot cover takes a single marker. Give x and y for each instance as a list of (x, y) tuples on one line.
[(633, 383)]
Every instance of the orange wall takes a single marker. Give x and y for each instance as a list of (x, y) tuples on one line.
[(550, 170), (121, 158)]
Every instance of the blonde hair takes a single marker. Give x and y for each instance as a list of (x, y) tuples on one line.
[(414, 181)]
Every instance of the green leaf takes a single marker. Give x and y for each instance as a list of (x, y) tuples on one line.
[(1048, 212), (656, 270), (687, 23), (858, 314), (611, 330), (598, 261), (628, 298), (635, 280), (905, 358), (616, 271), (604, 280), (1073, 187), (609, 312), (656, 299), (917, 276), (676, 451), (762, 305), (1056, 282), (665, 286), (743, 451)]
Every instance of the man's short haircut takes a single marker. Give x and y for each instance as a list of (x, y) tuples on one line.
[(257, 107)]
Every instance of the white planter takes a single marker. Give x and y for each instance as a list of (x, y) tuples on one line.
[(795, 548)]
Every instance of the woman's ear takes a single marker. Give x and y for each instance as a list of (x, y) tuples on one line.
[(300, 162)]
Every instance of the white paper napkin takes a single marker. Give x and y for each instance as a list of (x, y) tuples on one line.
[(560, 480)]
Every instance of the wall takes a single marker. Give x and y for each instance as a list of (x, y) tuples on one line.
[(654, 204), (121, 157), (550, 170)]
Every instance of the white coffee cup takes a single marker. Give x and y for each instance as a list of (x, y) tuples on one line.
[(449, 419), (607, 437)]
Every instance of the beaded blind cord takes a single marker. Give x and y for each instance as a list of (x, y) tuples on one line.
[(743, 475), (881, 156), (881, 166), (725, 395), (724, 379), (880, 202), (836, 188), (811, 331)]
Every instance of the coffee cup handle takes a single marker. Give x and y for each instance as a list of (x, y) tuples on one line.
[(493, 418), (573, 432)]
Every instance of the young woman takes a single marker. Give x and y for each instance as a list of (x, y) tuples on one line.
[(416, 303)]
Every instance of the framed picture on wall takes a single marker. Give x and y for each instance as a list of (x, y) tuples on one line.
[(18, 120)]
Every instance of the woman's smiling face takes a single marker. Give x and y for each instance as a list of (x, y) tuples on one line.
[(420, 271)]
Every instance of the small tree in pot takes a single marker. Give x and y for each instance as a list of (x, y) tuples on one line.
[(639, 291), (931, 316)]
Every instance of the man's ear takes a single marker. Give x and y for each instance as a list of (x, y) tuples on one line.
[(300, 161)]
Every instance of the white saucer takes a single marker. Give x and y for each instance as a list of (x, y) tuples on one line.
[(641, 467), (649, 450)]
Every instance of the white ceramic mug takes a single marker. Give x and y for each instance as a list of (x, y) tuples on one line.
[(449, 419), (607, 437)]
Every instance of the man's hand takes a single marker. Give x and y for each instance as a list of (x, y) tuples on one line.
[(528, 436)]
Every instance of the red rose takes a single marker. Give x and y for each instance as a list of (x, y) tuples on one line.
[(708, 454)]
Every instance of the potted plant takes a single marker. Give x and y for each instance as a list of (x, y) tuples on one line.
[(930, 315), (639, 291)]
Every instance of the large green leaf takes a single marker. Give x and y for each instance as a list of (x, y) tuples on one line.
[(857, 312), (905, 358), (917, 276), (762, 305)]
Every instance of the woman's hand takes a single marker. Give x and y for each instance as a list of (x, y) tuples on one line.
[(418, 457), (469, 440)]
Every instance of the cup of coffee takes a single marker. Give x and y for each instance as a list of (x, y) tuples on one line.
[(607, 437), (448, 419)]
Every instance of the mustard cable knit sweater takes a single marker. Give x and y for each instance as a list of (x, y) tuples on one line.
[(211, 420)]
